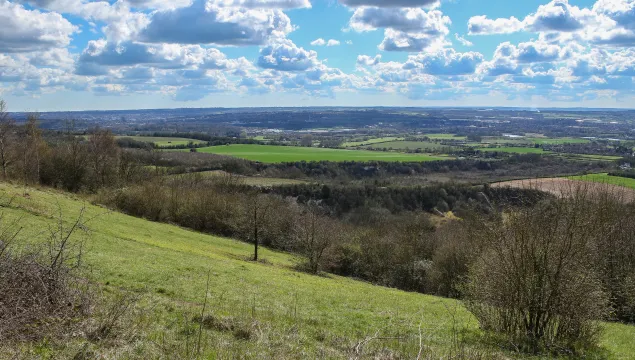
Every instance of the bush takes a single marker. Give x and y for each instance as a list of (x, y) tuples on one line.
[(41, 294), (535, 280)]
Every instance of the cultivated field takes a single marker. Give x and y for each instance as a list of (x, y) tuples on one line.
[(278, 154), (163, 141), (255, 310), (564, 186)]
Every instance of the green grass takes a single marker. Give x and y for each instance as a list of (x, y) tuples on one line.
[(370, 141), (412, 145), (517, 150), (291, 314), (606, 179), (445, 137), (277, 154), (163, 141)]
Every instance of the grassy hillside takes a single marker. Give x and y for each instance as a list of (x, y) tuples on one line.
[(282, 313), (277, 154)]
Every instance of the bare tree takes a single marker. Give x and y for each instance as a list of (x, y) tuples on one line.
[(258, 212), (32, 146), (103, 156), (315, 234), (7, 139)]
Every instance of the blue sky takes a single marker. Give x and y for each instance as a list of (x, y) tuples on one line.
[(127, 54)]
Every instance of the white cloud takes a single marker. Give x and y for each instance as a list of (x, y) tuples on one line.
[(203, 23), (463, 40), (284, 55), (23, 30), (482, 25), (406, 29), (322, 42)]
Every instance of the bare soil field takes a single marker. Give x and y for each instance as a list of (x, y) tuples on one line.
[(565, 187)]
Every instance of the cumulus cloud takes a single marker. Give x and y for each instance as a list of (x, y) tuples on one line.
[(607, 23), (406, 29), (318, 42), (203, 23), (284, 55), (23, 30), (410, 42), (482, 25), (367, 60), (390, 3), (445, 62), (414, 20)]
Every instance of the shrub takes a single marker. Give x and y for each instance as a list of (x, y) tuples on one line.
[(535, 280), (41, 294)]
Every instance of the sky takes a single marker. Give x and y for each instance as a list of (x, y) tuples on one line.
[(59, 55)]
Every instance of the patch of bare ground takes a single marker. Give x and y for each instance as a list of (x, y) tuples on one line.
[(567, 187)]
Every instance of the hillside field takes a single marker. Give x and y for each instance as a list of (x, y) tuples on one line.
[(163, 141), (278, 154), (285, 313)]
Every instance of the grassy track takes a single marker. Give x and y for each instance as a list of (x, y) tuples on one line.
[(606, 179), (277, 154), (517, 150), (164, 141), (295, 315)]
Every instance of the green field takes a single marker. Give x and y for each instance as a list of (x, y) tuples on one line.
[(606, 179), (370, 141), (445, 137), (411, 145), (291, 314), (278, 154), (163, 141), (517, 150)]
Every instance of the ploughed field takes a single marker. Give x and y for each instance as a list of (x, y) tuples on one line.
[(622, 187), (279, 154)]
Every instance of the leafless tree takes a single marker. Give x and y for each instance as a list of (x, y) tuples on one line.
[(7, 139), (315, 234)]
